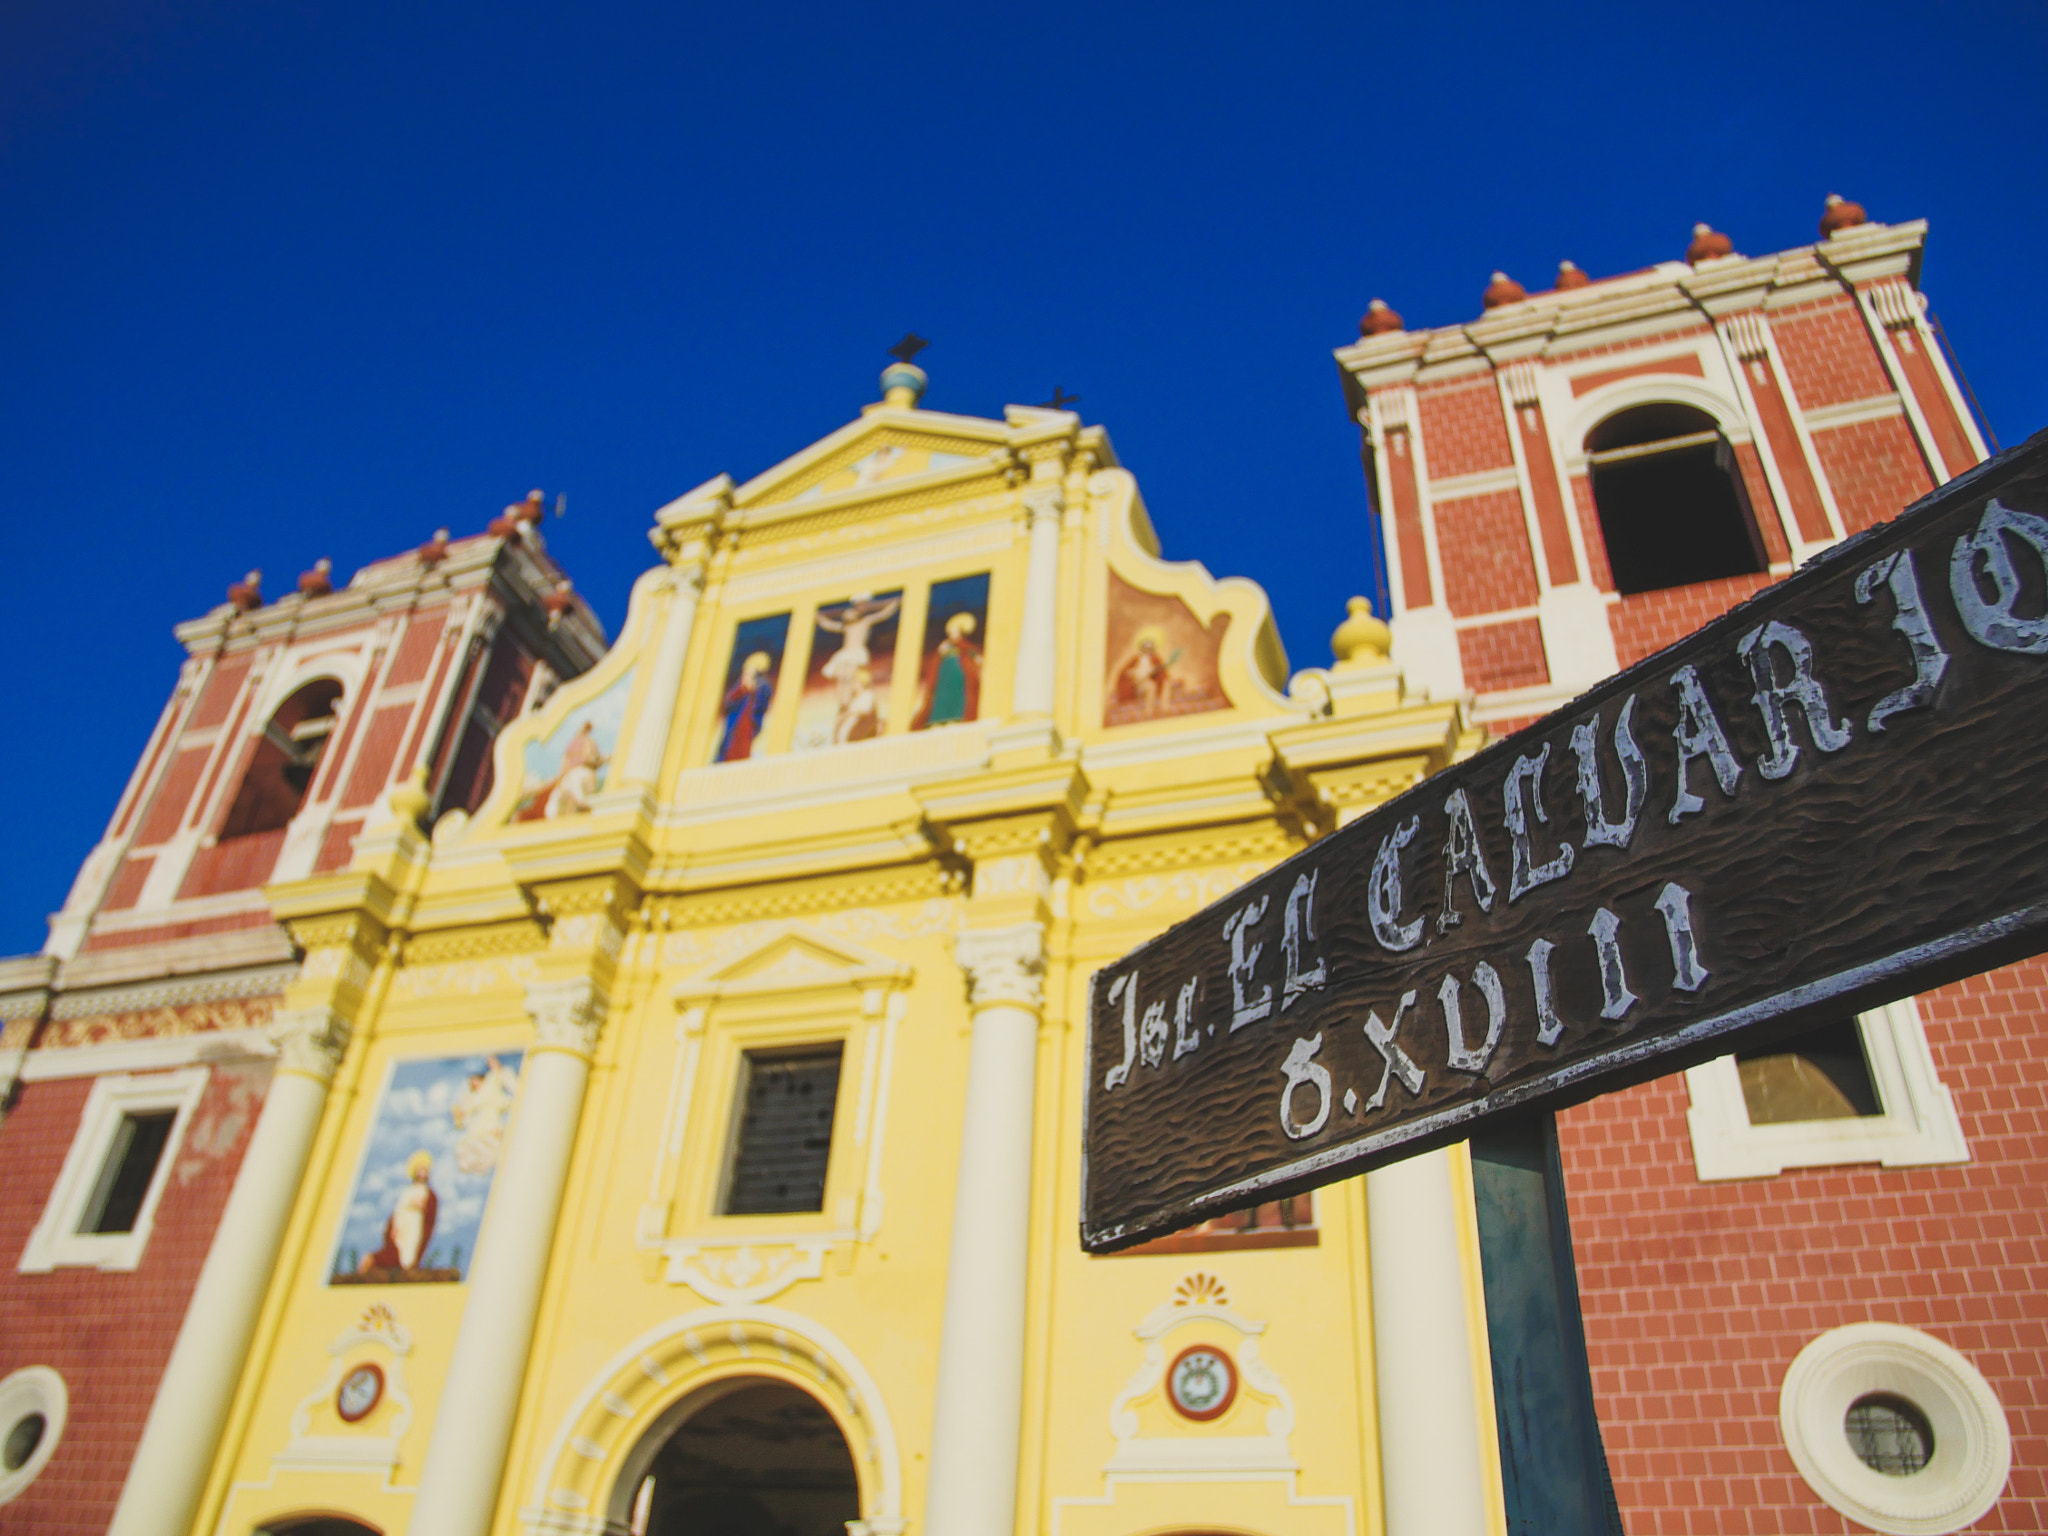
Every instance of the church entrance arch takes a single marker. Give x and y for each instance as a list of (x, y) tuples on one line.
[(746, 1456), (318, 1525)]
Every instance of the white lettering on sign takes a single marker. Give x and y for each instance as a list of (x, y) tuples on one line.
[(1383, 901), (1462, 856), (1772, 695), (1527, 874), (1675, 902), (1246, 1009), (1616, 997), (1398, 1062), (1909, 618), (1548, 1025), (1152, 1035), (1186, 1037), (1994, 623), (1635, 777), (1463, 1058), (1300, 1068), (1125, 987), (1699, 734), (1299, 922)]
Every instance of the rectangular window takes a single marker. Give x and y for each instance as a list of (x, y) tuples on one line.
[(125, 1177), (1861, 1090), (784, 1141), (103, 1205)]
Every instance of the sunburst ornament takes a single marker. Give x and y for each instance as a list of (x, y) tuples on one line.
[(1201, 1289)]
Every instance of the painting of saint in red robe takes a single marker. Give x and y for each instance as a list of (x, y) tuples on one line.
[(949, 680), (749, 686), (427, 1168), (1161, 660)]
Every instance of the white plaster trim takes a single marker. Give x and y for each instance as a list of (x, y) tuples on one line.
[(153, 1055), (787, 1329), (1513, 703), (32, 1389), (1596, 405), (1919, 1125), (1498, 616), (1850, 412), (205, 987), (1972, 1442), (1485, 482), (56, 1240)]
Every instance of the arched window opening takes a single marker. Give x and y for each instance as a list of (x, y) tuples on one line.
[(281, 771), (1670, 499), (756, 1459), (319, 1525), (1820, 1074)]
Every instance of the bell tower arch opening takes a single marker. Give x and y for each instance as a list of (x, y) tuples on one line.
[(1670, 499), (749, 1456)]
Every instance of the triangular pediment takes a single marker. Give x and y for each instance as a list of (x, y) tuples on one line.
[(886, 450), (794, 957)]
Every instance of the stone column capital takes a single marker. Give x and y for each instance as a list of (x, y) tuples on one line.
[(1042, 500), (567, 1015), (310, 1041), (1004, 966)]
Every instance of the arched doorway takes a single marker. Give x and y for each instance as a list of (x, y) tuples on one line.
[(746, 1457), (318, 1525), (1670, 499)]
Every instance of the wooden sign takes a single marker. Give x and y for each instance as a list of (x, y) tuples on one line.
[(1833, 796)]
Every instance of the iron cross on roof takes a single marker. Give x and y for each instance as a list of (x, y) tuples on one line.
[(1060, 400), (906, 350)]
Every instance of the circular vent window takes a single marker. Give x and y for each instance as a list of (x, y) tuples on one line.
[(32, 1408)]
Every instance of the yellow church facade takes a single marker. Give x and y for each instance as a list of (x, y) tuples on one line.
[(690, 1139)]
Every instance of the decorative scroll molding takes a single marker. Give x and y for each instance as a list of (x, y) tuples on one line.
[(740, 1274), (377, 1329), (1519, 380), (567, 1015), (1897, 304), (1746, 335), (310, 1041), (1004, 966)]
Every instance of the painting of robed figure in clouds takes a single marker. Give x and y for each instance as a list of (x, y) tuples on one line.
[(749, 686), (433, 1150), (846, 684), (949, 660), (564, 769)]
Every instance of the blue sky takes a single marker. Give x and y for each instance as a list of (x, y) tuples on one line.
[(282, 280)]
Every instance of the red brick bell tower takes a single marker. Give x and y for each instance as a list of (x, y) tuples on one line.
[(1814, 1279)]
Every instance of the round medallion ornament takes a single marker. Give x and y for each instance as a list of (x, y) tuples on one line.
[(1201, 1383), (360, 1392)]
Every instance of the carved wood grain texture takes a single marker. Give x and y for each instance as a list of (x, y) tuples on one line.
[(1911, 856)]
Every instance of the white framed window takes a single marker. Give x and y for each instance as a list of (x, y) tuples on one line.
[(100, 1212), (1889, 1108), (1895, 1429)]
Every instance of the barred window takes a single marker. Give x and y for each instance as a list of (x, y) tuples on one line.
[(784, 1140)]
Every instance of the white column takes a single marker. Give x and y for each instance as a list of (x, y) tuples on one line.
[(665, 680), (1038, 638), (1432, 1464), (182, 1435), (465, 1462), (978, 1414)]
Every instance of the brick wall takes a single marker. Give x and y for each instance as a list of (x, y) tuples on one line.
[(1828, 354), (1874, 468), (1647, 622), (1503, 655), (107, 1334), (1463, 431), (1697, 1296), (1485, 545)]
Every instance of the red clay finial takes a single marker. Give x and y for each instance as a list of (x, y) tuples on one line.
[(319, 581), (1502, 290), (1708, 244), (1569, 275), (247, 594), (1840, 214), (1378, 319)]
